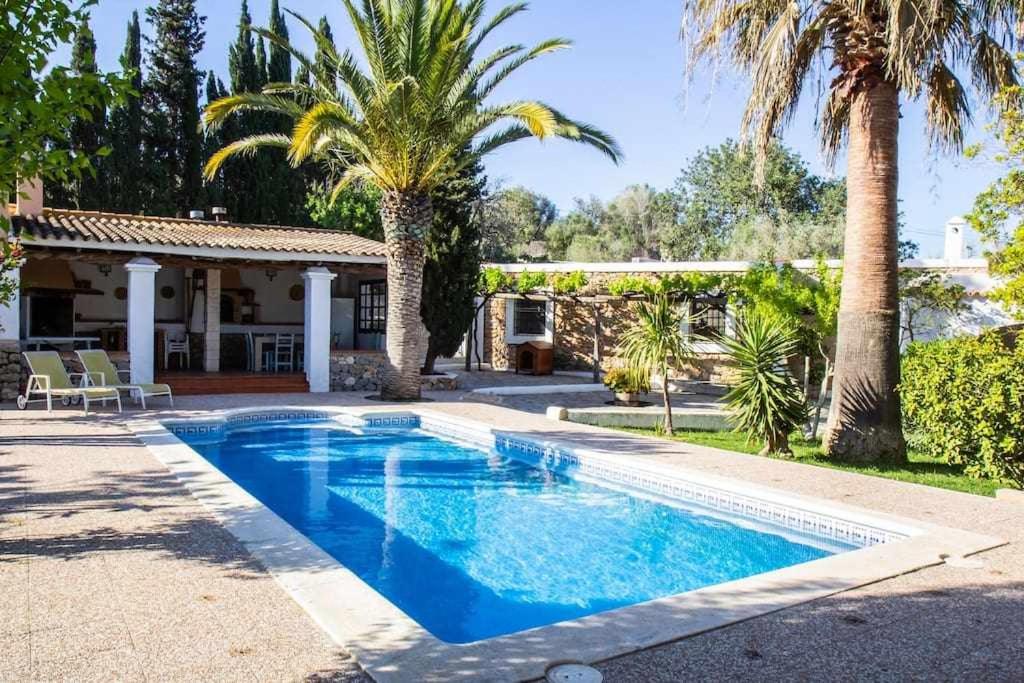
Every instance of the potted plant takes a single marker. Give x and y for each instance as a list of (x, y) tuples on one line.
[(627, 385)]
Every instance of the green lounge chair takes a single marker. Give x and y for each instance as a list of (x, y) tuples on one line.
[(49, 379), (99, 371)]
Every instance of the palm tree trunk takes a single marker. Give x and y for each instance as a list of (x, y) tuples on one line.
[(406, 219), (864, 421)]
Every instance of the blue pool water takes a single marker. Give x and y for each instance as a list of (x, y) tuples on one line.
[(473, 544)]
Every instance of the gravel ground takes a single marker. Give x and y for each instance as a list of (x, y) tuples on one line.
[(109, 570)]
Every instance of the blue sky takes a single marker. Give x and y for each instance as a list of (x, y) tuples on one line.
[(626, 74)]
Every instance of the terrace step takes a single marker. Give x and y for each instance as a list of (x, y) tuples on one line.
[(201, 383)]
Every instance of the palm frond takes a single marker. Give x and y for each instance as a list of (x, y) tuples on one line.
[(246, 147), (414, 105)]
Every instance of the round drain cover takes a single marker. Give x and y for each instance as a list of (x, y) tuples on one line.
[(574, 673)]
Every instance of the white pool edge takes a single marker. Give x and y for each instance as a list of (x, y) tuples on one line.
[(390, 646)]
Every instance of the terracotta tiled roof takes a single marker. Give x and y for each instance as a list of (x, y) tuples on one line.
[(94, 229)]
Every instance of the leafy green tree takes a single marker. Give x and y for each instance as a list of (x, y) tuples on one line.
[(452, 263), (926, 293), (764, 399), (583, 221), (401, 125), (799, 237), (637, 218), (36, 108), (356, 209), (998, 213), (871, 52), (654, 342), (719, 200), (125, 163), (511, 219), (173, 98)]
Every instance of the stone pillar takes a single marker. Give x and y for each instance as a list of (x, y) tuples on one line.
[(317, 331), (211, 339), (141, 317)]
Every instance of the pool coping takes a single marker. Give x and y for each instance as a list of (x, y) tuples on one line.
[(390, 646)]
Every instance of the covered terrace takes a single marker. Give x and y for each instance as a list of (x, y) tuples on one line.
[(208, 306)]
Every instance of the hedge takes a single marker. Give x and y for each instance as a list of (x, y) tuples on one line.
[(963, 400)]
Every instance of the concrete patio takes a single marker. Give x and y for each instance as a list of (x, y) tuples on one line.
[(110, 570)]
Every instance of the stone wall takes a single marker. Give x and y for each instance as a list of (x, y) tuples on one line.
[(356, 370), (574, 336), (10, 370), (360, 371)]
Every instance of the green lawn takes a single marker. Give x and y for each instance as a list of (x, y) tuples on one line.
[(920, 470)]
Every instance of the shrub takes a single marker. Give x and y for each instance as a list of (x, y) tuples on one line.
[(628, 381), (765, 400), (963, 400)]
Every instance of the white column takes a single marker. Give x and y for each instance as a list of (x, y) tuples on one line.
[(211, 339), (10, 312), (141, 317), (317, 331)]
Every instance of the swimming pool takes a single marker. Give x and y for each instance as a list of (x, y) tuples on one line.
[(635, 508), (474, 543)]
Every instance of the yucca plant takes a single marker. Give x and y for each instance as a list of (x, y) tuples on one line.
[(411, 115), (655, 342), (863, 56), (764, 399)]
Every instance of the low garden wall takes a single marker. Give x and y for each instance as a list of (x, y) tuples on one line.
[(361, 370)]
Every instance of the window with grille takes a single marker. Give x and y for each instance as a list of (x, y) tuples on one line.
[(708, 317), (530, 318), (373, 306)]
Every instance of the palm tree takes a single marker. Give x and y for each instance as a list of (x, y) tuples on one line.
[(655, 342), (401, 123), (873, 51)]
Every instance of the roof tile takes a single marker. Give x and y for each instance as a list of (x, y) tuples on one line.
[(91, 226)]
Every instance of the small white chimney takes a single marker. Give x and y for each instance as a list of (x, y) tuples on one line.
[(220, 214), (29, 197), (196, 214), (956, 239)]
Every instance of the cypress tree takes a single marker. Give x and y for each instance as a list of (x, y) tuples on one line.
[(173, 101), (261, 63), (215, 189), (125, 161), (324, 70), (279, 69), (241, 179), (452, 263), (87, 133)]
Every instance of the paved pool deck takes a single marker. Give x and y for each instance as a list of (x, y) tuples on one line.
[(110, 570)]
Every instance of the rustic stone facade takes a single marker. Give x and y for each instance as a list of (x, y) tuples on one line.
[(574, 336), (356, 370), (361, 371), (11, 370)]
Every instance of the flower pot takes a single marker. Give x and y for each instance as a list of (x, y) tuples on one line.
[(626, 397)]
